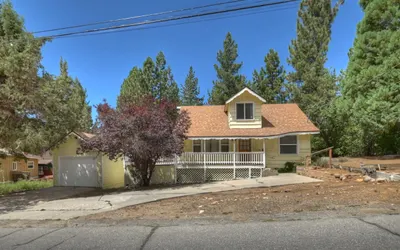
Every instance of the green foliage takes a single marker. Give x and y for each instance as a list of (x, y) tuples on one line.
[(31, 104), (372, 79), (269, 81), (229, 81), (312, 86), (20, 186), (154, 78), (290, 167), (191, 90)]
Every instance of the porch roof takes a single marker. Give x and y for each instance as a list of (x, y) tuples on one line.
[(277, 120)]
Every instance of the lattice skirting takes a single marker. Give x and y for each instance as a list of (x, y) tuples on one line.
[(199, 175)]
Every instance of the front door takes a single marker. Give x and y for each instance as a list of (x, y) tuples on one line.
[(244, 149)]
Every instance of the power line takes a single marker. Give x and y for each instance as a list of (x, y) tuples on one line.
[(173, 18), (177, 24), (140, 16)]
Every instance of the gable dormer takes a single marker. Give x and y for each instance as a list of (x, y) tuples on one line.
[(244, 110)]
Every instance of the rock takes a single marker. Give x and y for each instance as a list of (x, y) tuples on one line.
[(380, 180), (367, 178), (269, 172), (359, 180), (337, 176), (265, 198), (264, 193), (373, 180), (201, 211), (200, 206), (214, 202), (343, 177)]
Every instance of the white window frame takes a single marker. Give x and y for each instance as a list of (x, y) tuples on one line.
[(14, 166), (297, 145), (254, 112), (30, 162), (197, 145)]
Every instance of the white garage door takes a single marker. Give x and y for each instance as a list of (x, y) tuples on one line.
[(78, 172)]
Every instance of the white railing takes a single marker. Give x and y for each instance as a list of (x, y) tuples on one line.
[(217, 158)]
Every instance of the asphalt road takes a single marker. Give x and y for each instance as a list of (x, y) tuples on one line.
[(345, 233)]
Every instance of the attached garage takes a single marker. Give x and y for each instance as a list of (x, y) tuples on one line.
[(78, 171), (93, 169)]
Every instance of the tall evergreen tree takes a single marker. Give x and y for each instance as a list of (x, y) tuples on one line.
[(312, 86), (269, 81), (191, 90), (20, 105), (229, 81), (34, 110), (371, 84), (154, 78)]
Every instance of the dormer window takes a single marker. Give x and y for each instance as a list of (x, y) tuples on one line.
[(244, 111)]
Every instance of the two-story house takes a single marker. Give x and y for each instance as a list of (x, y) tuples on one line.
[(231, 141)]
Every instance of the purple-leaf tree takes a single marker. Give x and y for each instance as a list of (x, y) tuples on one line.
[(143, 132)]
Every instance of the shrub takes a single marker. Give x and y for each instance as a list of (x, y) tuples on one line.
[(290, 167)]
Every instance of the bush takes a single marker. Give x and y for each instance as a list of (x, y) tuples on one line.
[(322, 162), (290, 167), (19, 186)]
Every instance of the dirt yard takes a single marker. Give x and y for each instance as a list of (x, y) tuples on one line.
[(351, 197)]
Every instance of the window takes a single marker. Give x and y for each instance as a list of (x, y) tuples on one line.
[(31, 164), (244, 111), (212, 146), (224, 145), (197, 146), (15, 166), (288, 144)]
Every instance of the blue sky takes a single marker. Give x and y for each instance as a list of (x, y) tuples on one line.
[(101, 62)]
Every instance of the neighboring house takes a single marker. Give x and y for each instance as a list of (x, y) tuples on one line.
[(9, 164), (45, 165), (236, 140)]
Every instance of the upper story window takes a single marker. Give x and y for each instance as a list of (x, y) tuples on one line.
[(244, 111), (288, 144)]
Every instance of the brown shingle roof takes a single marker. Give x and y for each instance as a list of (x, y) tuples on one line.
[(278, 119)]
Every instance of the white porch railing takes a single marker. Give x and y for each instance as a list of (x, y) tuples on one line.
[(217, 158)]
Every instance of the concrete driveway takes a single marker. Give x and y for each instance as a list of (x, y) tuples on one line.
[(24, 200), (65, 209)]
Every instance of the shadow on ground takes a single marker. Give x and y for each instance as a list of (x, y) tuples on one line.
[(23, 200)]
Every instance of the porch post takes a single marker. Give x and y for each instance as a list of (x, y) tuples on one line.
[(234, 159), (264, 152), (204, 159)]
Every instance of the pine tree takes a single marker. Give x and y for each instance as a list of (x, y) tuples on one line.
[(191, 90), (311, 85), (20, 103), (229, 81), (154, 79), (372, 78), (35, 109), (269, 81)]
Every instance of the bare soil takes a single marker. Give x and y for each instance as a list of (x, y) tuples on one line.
[(350, 197)]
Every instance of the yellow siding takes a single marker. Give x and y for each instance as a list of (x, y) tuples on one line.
[(113, 173), (6, 168), (275, 160), (68, 148), (188, 147), (255, 123)]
